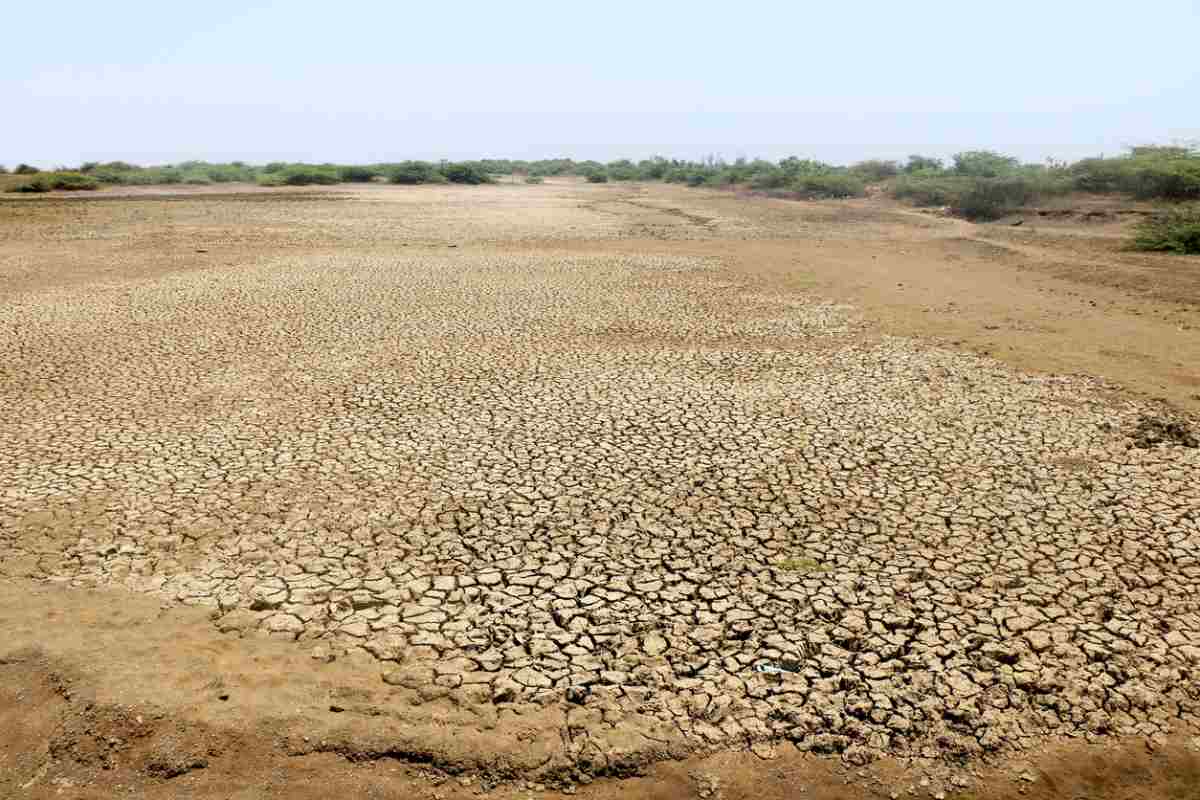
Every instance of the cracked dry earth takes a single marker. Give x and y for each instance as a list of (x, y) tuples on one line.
[(657, 492)]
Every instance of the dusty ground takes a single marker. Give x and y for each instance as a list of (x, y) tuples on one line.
[(543, 485)]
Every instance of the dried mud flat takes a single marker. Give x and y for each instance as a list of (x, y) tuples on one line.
[(539, 485)]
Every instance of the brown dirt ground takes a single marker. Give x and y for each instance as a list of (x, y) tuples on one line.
[(133, 698), (126, 697)]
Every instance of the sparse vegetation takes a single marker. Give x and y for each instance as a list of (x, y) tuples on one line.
[(834, 186), (1176, 230), (471, 174), (979, 185), (984, 164), (414, 172), (875, 170), (301, 175), (989, 199), (980, 198), (63, 181), (923, 165), (352, 174), (37, 185), (1146, 173)]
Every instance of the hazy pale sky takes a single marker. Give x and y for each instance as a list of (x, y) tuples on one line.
[(154, 81)]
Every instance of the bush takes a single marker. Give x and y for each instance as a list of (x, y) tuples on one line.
[(1147, 173), (597, 177), (836, 186), (228, 173), (300, 175), (654, 169), (62, 181), (623, 170), (26, 169), (534, 179), (357, 174), (979, 198), (31, 186), (411, 172), (923, 165), (197, 179), (926, 192), (992, 199), (774, 178), (154, 175), (105, 175), (72, 182), (801, 167), (984, 164), (1173, 231), (465, 173), (876, 170), (1172, 180)]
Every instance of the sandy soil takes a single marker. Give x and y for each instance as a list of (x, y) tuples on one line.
[(595, 489)]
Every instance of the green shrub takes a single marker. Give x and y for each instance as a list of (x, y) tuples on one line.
[(534, 179), (773, 178), (411, 172), (597, 177), (979, 198), (1172, 180), (31, 186), (197, 179), (61, 181), (352, 174), (300, 175), (654, 169), (72, 182), (923, 165), (875, 170), (836, 186), (799, 167), (229, 173), (992, 199), (105, 175), (465, 173), (622, 170), (153, 176), (1173, 231), (988, 200), (26, 169), (928, 191), (1147, 173), (984, 164)]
